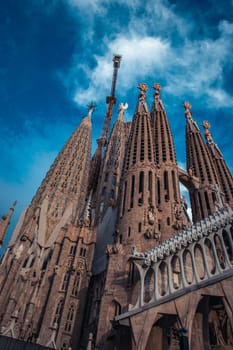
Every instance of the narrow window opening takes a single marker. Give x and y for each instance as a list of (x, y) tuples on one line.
[(158, 192), (65, 282), (114, 180), (132, 191), (141, 188), (207, 202), (112, 194), (166, 187), (200, 205), (75, 288), (124, 199), (159, 225), (150, 184), (72, 250), (174, 185)]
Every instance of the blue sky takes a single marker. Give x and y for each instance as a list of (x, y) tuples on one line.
[(56, 57)]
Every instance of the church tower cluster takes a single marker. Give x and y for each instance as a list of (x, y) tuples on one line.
[(104, 237)]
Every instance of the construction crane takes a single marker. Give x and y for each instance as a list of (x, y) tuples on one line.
[(102, 141), (110, 100)]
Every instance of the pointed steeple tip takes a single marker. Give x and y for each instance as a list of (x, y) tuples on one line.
[(143, 89), (91, 109), (207, 133)]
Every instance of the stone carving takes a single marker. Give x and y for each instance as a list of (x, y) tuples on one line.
[(192, 234), (148, 234), (207, 133), (123, 107), (151, 216), (143, 88)]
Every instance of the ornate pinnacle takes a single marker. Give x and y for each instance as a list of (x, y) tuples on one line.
[(207, 133), (157, 88), (187, 106), (122, 107), (143, 88)]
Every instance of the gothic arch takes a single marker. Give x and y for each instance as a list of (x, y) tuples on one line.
[(164, 333), (211, 328)]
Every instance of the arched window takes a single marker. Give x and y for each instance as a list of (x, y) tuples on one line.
[(25, 262), (58, 312), (64, 346), (75, 288), (70, 314), (65, 281), (70, 318), (72, 250)]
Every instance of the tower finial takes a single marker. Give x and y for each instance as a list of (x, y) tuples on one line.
[(143, 89), (121, 109), (187, 106), (91, 108), (207, 133), (157, 89)]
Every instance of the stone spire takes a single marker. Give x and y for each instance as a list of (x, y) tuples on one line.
[(170, 206), (5, 222), (50, 240), (140, 148), (69, 173), (199, 164), (107, 197), (138, 199), (112, 164), (163, 140), (223, 172)]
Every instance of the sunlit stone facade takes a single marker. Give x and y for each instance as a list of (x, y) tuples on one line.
[(106, 257)]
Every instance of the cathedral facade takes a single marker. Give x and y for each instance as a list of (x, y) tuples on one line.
[(106, 256)]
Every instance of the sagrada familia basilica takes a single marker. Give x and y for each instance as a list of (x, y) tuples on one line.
[(106, 257)]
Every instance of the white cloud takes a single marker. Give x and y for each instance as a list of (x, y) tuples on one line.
[(140, 56), (88, 7), (193, 67), (199, 70)]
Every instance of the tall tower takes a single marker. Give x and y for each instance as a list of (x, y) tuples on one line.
[(4, 223), (222, 170), (46, 269), (170, 206), (199, 164), (143, 220), (137, 207), (106, 212)]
